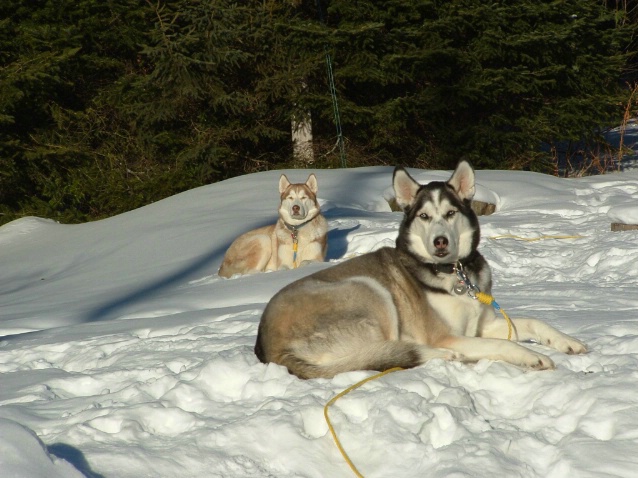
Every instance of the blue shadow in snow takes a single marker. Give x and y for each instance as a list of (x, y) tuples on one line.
[(337, 242), (205, 264), (75, 457)]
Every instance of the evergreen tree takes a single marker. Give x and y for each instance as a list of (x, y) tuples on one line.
[(56, 57), (111, 105), (107, 105), (489, 81)]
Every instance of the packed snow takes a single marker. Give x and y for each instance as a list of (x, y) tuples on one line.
[(124, 355)]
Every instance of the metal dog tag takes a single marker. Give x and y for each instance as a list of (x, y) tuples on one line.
[(460, 288)]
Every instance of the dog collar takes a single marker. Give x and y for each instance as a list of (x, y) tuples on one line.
[(464, 285), (292, 228), (449, 268)]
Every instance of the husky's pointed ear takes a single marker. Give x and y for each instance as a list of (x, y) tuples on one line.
[(283, 183), (312, 183), (462, 180), (405, 188)]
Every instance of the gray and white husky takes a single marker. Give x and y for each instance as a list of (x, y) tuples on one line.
[(402, 306)]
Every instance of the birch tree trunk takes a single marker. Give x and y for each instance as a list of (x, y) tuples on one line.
[(302, 140)]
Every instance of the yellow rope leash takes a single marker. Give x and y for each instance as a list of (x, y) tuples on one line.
[(489, 300), (465, 285), (532, 239), (295, 247), (337, 397)]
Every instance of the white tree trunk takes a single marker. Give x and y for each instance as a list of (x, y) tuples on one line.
[(302, 139)]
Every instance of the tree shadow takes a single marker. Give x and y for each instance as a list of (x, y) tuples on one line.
[(75, 457), (203, 264), (189, 272)]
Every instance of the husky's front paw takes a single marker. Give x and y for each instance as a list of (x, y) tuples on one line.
[(451, 355), (566, 344), (537, 361)]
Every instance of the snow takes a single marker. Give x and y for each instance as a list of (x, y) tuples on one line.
[(123, 354)]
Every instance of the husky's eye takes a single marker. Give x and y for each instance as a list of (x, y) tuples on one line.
[(450, 214), (424, 216)]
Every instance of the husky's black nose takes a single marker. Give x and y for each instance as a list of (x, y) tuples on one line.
[(441, 242), (295, 209)]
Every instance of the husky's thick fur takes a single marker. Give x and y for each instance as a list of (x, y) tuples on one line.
[(299, 236), (399, 307)]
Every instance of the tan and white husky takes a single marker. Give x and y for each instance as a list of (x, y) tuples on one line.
[(298, 237), (401, 306)]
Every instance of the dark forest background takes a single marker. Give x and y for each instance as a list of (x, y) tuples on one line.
[(108, 105)]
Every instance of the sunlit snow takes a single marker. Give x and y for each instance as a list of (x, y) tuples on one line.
[(124, 355)]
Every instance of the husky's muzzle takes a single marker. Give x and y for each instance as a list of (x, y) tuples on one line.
[(443, 240), (297, 210)]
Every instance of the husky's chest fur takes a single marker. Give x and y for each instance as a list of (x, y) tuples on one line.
[(299, 245), (461, 313)]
